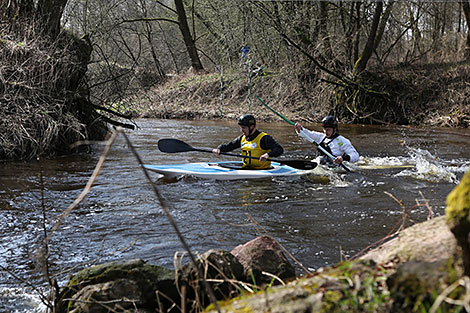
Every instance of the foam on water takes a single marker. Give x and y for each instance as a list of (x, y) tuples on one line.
[(429, 167), (383, 162), (335, 176), (19, 300), (418, 164)]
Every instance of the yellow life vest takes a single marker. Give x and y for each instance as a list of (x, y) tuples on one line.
[(253, 148)]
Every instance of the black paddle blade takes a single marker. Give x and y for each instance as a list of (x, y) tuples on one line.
[(300, 164), (173, 146)]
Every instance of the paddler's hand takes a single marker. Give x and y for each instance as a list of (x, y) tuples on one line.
[(264, 157), (216, 151), (338, 160), (298, 127)]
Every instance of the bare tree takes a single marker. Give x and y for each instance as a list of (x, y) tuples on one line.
[(371, 40), (188, 39), (149, 37), (466, 11), (50, 12), (45, 12)]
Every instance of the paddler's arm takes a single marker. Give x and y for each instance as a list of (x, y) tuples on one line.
[(311, 136), (269, 143), (350, 153), (232, 145)]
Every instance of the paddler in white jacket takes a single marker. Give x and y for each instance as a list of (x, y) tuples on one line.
[(332, 146)]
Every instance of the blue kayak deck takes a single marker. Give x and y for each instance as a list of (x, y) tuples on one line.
[(223, 170)]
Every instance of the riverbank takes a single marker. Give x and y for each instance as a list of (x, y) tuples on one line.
[(431, 96), (413, 272)]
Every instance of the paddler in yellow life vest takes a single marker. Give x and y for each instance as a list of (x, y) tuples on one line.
[(253, 143)]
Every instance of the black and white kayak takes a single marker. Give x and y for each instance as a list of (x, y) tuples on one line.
[(224, 170)]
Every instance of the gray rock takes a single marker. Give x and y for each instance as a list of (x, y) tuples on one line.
[(118, 285), (263, 254)]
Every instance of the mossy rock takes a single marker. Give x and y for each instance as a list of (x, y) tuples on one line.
[(415, 285), (458, 220), (458, 207), (148, 278), (348, 287), (220, 269)]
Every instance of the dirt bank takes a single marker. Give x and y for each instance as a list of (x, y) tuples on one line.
[(434, 95)]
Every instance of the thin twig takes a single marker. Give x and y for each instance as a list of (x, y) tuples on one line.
[(27, 283), (464, 281), (397, 228), (173, 223), (426, 204), (402, 205)]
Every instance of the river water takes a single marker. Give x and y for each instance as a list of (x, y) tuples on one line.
[(320, 219)]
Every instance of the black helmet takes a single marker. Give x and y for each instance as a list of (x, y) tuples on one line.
[(329, 121), (246, 120)]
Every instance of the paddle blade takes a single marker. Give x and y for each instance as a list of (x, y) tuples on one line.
[(173, 146), (300, 164)]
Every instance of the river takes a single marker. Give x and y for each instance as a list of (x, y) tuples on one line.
[(320, 219)]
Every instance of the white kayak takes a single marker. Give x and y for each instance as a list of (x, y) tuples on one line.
[(223, 170)]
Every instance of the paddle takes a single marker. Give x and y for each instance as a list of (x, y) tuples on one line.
[(303, 135), (175, 146)]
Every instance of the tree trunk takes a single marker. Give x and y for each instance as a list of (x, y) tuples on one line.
[(149, 35), (50, 12), (370, 44), (383, 23), (323, 20), (357, 38), (349, 29), (188, 40), (156, 61), (466, 11)]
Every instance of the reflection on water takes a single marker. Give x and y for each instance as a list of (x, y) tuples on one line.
[(317, 218)]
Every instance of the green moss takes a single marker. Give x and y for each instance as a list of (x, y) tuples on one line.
[(107, 271), (356, 286), (458, 202), (231, 305), (330, 300), (451, 269)]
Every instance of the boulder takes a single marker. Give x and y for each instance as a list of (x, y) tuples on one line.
[(415, 284), (263, 255), (429, 241), (220, 269), (135, 285), (120, 294), (458, 219), (118, 285)]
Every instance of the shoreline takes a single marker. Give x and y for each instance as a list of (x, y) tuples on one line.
[(199, 96)]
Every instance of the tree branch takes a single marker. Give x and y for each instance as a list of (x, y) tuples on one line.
[(147, 19)]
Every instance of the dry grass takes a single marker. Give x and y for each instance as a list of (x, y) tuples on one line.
[(41, 110), (432, 95), (192, 96)]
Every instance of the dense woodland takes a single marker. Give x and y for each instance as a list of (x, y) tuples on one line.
[(71, 68)]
